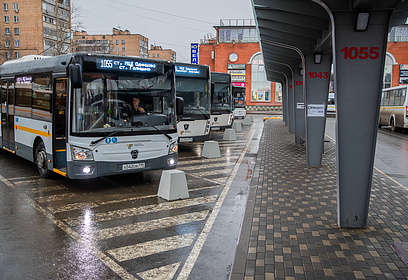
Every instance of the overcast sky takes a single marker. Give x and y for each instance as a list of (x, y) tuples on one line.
[(171, 24)]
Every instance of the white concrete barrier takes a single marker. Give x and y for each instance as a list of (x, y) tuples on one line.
[(173, 185), (248, 120), (211, 150), (237, 126), (229, 134)]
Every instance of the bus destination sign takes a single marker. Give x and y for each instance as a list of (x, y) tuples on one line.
[(125, 65)]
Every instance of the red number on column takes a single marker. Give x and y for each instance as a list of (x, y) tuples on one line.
[(363, 53)]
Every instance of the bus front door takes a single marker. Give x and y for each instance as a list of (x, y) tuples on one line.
[(7, 116), (59, 123)]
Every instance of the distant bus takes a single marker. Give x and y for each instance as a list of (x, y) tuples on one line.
[(331, 106), (193, 85), (239, 96), (221, 101), (73, 114), (394, 108)]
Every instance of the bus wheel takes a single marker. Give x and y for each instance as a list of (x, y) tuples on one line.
[(393, 128), (41, 160)]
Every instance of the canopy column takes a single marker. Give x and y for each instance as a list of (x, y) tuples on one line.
[(317, 77), (359, 67)]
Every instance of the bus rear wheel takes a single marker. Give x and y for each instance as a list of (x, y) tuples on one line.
[(41, 161)]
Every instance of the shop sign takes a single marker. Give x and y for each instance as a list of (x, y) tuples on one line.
[(238, 78), (194, 53), (238, 84), (236, 66), (237, 72)]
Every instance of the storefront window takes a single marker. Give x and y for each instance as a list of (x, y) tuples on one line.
[(387, 72), (260, 86)]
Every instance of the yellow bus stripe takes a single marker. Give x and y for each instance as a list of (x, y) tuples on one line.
[(62, 150), (59, 172), (392, 108), (34, 131)]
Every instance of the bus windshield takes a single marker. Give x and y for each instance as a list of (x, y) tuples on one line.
[(196, 96), (110, 102), (222, 97)]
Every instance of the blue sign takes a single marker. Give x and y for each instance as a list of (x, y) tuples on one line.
[(125, 65), (194, 53), (187, 70)]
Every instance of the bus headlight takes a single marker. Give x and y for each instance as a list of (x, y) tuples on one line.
[(81, 154), (173, 148), (171, 162)]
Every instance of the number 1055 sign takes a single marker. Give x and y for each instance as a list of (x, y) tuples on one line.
[(361, 53)]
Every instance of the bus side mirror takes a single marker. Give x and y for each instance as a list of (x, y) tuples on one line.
[(179, 105), (212, 90), (75, 73)]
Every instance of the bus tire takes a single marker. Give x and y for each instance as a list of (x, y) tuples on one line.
[(392, 124), (41, 160)]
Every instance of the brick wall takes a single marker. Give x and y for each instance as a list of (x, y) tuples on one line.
[(245, 51)]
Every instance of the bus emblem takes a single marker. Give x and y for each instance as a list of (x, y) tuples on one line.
[(186, 126), (216, 119), (134, 153)]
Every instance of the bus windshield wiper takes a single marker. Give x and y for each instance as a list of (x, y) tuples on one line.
[(164, 133), (103, 138)]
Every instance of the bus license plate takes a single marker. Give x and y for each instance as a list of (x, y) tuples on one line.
[(189, 139), (133, 166), (215, 128)]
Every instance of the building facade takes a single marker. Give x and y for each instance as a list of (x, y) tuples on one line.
[(157, 52), (121, 42), (396, 60), (26, 31), (235, 49)]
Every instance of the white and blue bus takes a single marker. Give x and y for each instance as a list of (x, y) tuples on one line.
[(239, 95), (221, 101), (73, 114), (394, 108), (193, 85)]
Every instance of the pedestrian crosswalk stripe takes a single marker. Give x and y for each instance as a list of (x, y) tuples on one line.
[(207, 166), (48, 189), (214, 172), (124, 213), (160, 273), (152, 247), (57, 197), (204, 160), (72, 207), (128, 229)]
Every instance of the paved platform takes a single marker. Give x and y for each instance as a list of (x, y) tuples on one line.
[(290, 226)]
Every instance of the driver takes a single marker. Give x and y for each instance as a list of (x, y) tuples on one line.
[(137, 108)]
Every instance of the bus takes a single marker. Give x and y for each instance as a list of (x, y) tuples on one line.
[(239, 95), (193, 85), (72, 114), (221, 101), (394, 108), (331, 106)]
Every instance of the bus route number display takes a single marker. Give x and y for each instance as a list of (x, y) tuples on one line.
[(125, 65)]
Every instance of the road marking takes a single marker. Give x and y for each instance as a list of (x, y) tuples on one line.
[(192, 258), (380, 171), (125, 213), (57, 197), (152, 247), (72, 207), (161, 273), (207, 166), (47, 189), (206, 161), (82, 241), (149, 225)]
